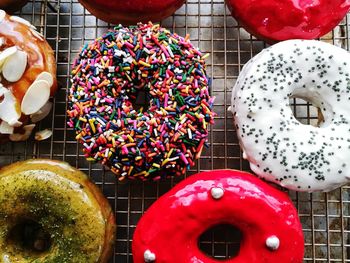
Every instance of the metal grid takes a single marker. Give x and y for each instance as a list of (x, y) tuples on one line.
[(66, 25)]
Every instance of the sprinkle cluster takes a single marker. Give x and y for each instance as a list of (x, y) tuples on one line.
[(140, 103)]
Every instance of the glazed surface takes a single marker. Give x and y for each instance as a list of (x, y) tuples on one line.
[(196, 204), (65, 203), (278, 147), (275, 20), (39, 58), (131, 12), (40, 54)]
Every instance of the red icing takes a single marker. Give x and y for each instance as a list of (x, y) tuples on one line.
[(132, 11), (170, 228), (276, 20)]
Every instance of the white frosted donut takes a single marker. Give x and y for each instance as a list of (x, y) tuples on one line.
[(280, 148)]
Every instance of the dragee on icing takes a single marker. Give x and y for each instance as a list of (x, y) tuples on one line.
[(279, 148), (264, 215)]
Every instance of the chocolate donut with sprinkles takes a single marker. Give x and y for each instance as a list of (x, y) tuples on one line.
[(139, 102), (280, 148)]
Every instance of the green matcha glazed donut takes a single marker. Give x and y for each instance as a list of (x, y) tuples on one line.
[(51, 213)]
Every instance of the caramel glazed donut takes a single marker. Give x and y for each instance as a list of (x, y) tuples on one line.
[(27, 77), (50, 212), (278, 147), (265, 216)]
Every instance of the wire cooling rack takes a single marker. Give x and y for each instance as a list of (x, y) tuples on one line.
[(66, 25)]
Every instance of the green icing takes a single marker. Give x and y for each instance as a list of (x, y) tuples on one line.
[(62, 211)]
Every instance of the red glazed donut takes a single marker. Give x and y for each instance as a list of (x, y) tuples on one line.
[(276, 20), (131, 11), (169, 230)]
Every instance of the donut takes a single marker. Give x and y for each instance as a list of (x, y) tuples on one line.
[(269, 223), (275, 20), (139, 102), (27, 77), (129, 12), (51, 212), (279, 148), (12, 5)]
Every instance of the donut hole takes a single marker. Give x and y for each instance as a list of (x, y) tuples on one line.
[(140, 100), (306, 112), (30, 237), (221, 242)]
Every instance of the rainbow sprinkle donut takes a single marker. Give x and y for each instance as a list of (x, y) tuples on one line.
[(139, 102)]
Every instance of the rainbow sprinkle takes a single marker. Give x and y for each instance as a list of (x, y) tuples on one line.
[(163, 134)]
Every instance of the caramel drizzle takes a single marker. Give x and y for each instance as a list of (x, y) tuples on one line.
[(40, 55)]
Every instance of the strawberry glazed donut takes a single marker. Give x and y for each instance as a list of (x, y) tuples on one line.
[(276, 20), (265, 216), (131, 11), (280, 148)]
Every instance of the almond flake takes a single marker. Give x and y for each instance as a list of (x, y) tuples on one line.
[(36, 97), (8, 107), (14, 67), (42, 113), (5, 54), (37, 34), (16, 137), (43, 135), (6, 128), (45, 76), (20, 20)]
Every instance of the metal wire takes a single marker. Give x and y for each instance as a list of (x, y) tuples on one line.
[(66, 25)]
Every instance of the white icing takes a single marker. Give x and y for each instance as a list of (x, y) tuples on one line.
[(273, 243), (2, 15), (280, 148), (217, 192), (149, 256)]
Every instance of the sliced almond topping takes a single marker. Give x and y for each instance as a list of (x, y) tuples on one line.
[(6, 128), (45, 76), (36, 96), (15, 66), (2, 90), (2, 15), (37, 34), (20, 20), (43, 135), (42, 113), (8, 107), (5, 54), (16, 137)]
